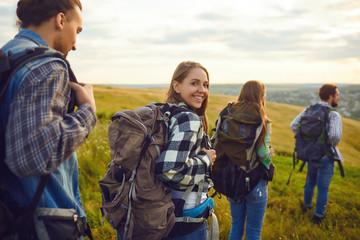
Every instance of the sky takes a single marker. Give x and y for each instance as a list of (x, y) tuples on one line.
[(277, 41)]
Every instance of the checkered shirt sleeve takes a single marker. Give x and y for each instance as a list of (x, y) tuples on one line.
[(334, 128), (263, 150), (182, 163), (40, 134)]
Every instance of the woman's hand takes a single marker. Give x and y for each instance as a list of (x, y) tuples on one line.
[(272, 151), (211, 153)]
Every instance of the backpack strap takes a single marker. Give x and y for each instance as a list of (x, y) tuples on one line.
[(23, 222), (327, 111), (294, 153), (250, 152), (14, 62), (129, 224), (128, 228), (213, 233), (8, 67), (341, 168), (342, 173), (216, 130)]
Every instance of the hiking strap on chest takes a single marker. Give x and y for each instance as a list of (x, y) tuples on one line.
[(213, 233)]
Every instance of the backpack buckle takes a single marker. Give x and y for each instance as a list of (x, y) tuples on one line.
[(187, 219)]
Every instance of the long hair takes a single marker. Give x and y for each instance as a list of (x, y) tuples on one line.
[(35, 12), (181, 72), (254, 91)]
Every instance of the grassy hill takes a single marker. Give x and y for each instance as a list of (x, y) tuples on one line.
[(283, 219)]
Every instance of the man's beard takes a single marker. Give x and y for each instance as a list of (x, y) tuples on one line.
[(58, 47), (334, 104)]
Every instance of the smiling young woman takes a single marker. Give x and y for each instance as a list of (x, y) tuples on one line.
[(185, 160)]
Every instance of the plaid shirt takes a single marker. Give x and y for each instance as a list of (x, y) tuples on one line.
[(181, 162), (263, 151), (334, 129), (40, 134)]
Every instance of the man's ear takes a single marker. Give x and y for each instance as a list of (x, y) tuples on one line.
[(60, 20), (176, 87)]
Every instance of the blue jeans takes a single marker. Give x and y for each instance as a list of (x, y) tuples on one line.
[(199, 234), (320, 174), (252, 210)]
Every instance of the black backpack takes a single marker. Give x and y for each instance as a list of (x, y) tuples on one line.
[(236, 170), (19, 219), (311, 137)]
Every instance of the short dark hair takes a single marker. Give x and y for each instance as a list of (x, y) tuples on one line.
[(35, 12), (327, 90)]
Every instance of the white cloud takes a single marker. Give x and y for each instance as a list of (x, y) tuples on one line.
[(142, 41)]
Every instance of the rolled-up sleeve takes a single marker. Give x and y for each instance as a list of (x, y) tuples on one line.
[(294, 124), (40, 134)]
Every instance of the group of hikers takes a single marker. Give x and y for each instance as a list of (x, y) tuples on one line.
[(46, 115)]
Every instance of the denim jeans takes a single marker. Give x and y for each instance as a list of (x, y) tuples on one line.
[(199, 234), (320, 174), (252, 210)]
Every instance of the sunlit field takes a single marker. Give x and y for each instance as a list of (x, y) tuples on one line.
[(284, 218)]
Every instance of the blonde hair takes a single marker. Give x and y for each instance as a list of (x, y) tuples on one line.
[(254, 91), (181, 72)]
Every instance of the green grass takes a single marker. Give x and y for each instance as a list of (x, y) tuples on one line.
[(283, 219)]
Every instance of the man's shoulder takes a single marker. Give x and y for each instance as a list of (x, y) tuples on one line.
[(19, 50)]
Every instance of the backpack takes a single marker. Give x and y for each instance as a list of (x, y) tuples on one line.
[(311, 137), (236, 170), (19, 220), (134, 200)]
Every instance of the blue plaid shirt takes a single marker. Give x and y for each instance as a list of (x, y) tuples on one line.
[(41, 136)]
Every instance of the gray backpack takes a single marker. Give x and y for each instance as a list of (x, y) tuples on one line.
[(134, 200)]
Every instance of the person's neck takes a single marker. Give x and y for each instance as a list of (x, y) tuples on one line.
[(328, 101), (45, 31)]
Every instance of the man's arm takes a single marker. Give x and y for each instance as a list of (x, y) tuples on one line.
[(295, 122), (40, 134), (335, 128)]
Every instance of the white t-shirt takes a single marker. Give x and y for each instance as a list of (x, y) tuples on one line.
[(190, 201)]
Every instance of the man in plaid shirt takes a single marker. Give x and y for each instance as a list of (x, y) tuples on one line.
[(320, 173), (41, 134)]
